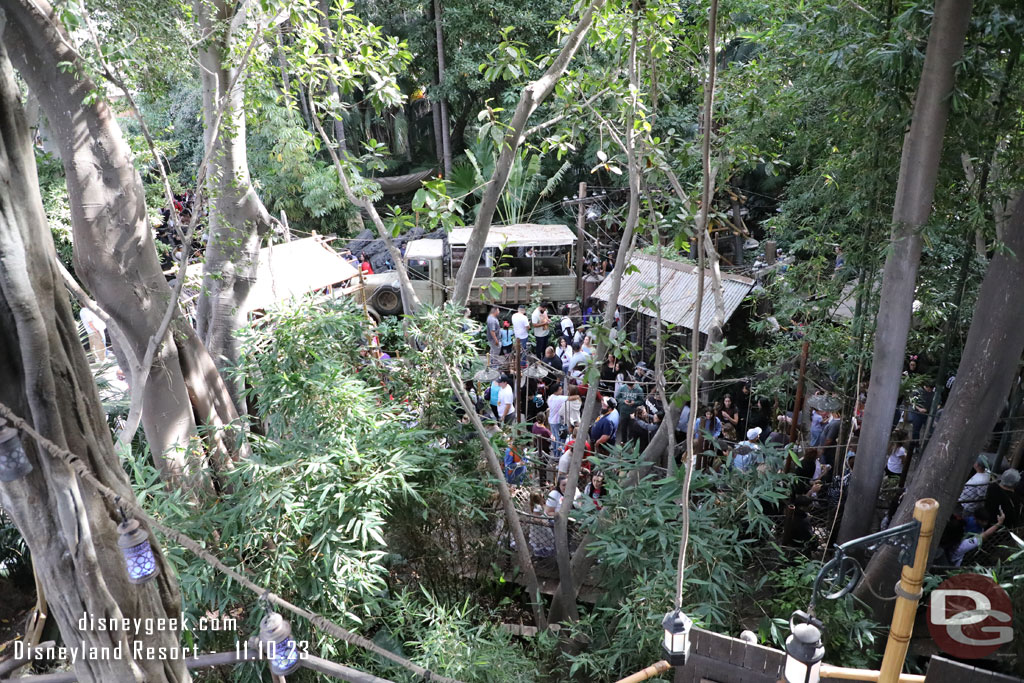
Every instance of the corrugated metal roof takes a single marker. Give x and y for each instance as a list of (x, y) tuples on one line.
[(292, 269), (678, 296), (518, 235)]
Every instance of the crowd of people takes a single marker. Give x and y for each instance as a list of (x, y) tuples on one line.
[(738, 430)]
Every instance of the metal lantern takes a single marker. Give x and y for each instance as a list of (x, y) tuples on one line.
[(14, 463), (536, 371), (677, 637), (138, 553), (487, 375), (278, 645), (804, 650)]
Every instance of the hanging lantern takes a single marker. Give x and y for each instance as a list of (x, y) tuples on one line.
[(804, 650), (14, 462), (677, 637), (536, 371), (138, 553), (487, 375), (278, 645)]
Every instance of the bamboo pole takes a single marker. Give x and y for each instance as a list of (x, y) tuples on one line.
[(848, 674), (651, 671), (909, 594)]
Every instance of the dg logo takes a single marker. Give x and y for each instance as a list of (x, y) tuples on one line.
[(970, 616)]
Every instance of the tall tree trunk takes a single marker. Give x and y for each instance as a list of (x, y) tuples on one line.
[(915, 189), (237, 217), (332, 85), (44, 377), (987, 369), (531, 98), (114, 252), (446, 144)]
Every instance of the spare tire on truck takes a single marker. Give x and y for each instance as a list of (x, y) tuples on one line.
[(387, 300)]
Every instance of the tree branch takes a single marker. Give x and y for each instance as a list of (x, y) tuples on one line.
[(531, 98), (561, 117)]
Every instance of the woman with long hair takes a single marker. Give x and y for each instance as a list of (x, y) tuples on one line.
[(595, 489), (897, 459), (564, 353), (730, 417)]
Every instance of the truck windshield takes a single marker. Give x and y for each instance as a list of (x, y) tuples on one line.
[(419, 269)]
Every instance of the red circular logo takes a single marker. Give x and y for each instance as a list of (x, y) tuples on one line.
[(970, 616)]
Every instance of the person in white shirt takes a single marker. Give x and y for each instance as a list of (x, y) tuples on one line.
[(506, 401), (556, 414), (557, 495), (564, 353), (95, 328), (973, 496), (898, 455), (541, 325), (568, 328), (521, 326)]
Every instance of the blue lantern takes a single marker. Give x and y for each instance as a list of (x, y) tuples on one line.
[(138, 553), (278, 645)]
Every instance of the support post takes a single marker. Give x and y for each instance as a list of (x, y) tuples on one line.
[(581, 221), (798, 404), (518, 373), (909, 594)]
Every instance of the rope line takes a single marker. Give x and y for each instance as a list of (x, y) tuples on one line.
[(319, 621)]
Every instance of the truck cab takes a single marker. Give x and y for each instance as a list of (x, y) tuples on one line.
[(518, 261)]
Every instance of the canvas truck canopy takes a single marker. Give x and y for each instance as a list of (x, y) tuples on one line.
[(291, 270)]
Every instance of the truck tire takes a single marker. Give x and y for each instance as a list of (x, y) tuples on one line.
[(388, 300)]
